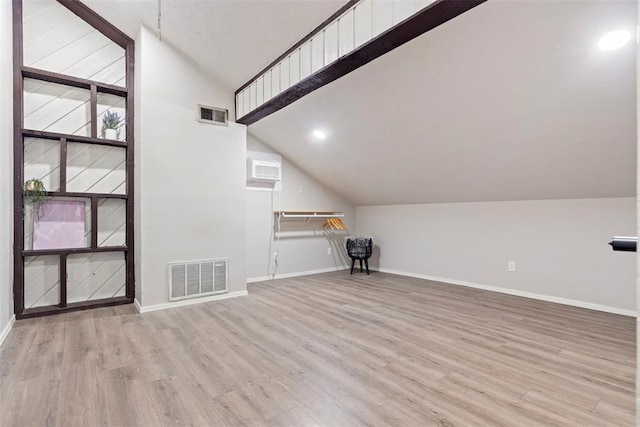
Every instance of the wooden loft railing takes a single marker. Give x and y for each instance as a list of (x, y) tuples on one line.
[(358, 33)]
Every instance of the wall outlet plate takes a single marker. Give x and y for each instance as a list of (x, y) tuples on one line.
[(511, 266)]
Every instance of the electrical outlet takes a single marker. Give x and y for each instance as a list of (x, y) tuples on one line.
[(511, 266), (329, 251)]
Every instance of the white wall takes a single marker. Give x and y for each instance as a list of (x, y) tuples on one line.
[(560, 246), (638, 230), (6, 167), (191, 176), (302, 247)]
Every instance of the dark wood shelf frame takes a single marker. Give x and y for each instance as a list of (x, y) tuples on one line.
[(20, 72), (63, 79), (73, 251), (87, 195), (31, 133), (75, 306)]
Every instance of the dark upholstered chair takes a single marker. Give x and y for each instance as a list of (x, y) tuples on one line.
[(359, 248)]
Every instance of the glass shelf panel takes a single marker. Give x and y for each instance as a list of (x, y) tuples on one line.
[(112, 222), (57, 108), (42, 161), (95, 276), (41, 281), (95, 169)]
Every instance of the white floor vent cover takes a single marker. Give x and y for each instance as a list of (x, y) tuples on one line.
[(197, 278)]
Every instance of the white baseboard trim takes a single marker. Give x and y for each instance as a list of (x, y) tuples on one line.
[(137, 305), (7, 329), (150, 308), (298, 274), (547, 298)]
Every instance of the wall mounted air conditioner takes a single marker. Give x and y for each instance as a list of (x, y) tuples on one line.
[(263, 170)]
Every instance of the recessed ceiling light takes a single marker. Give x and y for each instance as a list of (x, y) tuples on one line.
[(319, 134), (614, 40)]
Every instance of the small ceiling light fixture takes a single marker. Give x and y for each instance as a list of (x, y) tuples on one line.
[(319, 134), (614, 40)]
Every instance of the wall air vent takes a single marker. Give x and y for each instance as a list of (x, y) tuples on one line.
[(216, 116), (197, 279), (263, 170)]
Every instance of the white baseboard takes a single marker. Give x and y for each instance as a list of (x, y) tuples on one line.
[(149, 308), (7, 329), (297, 274), (547, 298), (137, 305)]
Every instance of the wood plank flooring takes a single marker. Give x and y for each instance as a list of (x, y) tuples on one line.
[(325, 350)]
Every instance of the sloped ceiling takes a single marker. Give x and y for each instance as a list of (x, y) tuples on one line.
[(510, 101), (231, 39)]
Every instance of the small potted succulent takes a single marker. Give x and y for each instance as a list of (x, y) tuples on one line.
[(111, 124), (34, 194)]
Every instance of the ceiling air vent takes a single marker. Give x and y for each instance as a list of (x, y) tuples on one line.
[(216, 116), (197, 279)]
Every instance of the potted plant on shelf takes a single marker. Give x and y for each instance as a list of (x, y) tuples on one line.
[(34, 195), (111, 124)]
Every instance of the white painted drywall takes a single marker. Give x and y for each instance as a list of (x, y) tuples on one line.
[(302, 247), (191, 175), (638, 231), (559, 246), (6, 166)]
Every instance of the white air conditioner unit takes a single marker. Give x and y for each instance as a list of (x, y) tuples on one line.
[(263, 170)]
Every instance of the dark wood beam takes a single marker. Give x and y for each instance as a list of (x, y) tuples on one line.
[(427, 19), (97, 22)]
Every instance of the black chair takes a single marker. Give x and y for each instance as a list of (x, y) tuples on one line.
[(359, 248)]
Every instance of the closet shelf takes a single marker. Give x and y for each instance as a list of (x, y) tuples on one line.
[(309, 214)]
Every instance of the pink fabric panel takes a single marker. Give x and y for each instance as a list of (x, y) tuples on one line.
[(61, 226)]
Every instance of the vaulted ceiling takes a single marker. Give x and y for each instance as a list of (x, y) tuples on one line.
[(231, 39), (510, 101)]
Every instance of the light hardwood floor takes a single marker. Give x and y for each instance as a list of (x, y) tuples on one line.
[(329, 349)]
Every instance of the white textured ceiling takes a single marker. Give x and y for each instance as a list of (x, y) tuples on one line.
[(231, 39), (510, 101)]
